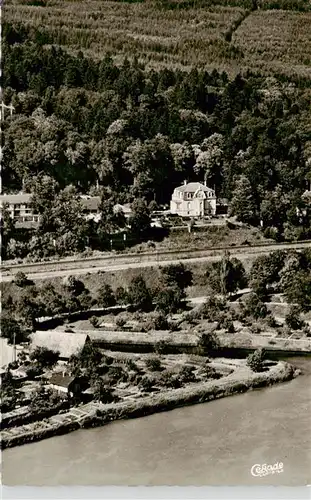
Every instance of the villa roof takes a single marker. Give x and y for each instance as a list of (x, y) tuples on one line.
[(192, 187), (65, 343), (61, 380)]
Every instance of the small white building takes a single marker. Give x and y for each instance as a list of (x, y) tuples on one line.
[(193, 199)]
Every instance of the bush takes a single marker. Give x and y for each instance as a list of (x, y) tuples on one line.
[(211, 309), (207, 372), (21, 279), (132, 365), (255, 360), (120, 322), (94, 321), (34, 371), (161, 347), (225, 322), (271, 321), (208, 342), (169, 379), (157, 322), (153, 364), (186, 374), (255, 329), (146, 383)]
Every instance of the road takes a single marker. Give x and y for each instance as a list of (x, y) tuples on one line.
[(61, 268)]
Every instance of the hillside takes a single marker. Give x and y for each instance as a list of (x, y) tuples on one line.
[(232, 36), (127, 100)]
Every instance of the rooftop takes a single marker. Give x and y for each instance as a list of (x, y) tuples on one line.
[(61, 380), (65, 343), (15, 198), (192, 187), (89, 202)]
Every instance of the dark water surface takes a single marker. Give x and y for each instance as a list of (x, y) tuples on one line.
[(215, 443)]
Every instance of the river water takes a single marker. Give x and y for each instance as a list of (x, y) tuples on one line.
[(215, 443)]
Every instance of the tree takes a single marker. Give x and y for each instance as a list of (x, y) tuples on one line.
[(12, 330), (295, 280), (210, 158), (121, 295), (73, 285), (255, 360), (110, 220), (208, 342), (140, 218), (176, 275), (255, 307), (274, 207), (7, 227), (106, 296), (168, 299), (265, 271), (243, 204), (212, 308), (45, 358), (28, 307), (226, 276), (293, 319), (51, 302), (138, 294), (44, 190)]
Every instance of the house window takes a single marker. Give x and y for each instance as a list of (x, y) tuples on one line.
[(189, 195)]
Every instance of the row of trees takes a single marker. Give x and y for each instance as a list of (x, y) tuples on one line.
[(21, 310), (286, 272)]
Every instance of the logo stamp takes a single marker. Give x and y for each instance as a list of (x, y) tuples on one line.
[(261, 470)]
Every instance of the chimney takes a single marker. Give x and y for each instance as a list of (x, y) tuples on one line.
[(185, 182), (205, 182)]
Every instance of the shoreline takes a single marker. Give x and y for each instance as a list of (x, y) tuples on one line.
[(240, 381)]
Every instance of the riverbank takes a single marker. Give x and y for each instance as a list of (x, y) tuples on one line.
[(240, 380)]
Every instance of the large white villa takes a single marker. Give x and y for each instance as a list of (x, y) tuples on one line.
[(193, 199)]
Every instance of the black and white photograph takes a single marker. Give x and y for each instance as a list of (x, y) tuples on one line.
[(155, 245)]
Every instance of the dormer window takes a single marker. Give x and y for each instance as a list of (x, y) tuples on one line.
[(189, 195)]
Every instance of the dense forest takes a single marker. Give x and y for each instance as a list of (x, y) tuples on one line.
[(272, 36), (129, 132)]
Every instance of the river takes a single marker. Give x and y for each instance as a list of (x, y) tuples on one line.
[(215, 443)]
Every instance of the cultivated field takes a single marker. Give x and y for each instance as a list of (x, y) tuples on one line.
[(226, 37)]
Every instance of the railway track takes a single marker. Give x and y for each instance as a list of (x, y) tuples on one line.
[(41, 270)]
